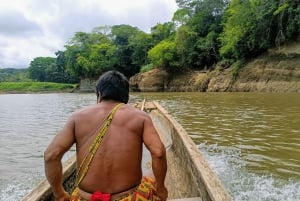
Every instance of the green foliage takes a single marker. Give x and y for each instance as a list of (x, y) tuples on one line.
[(119, 47), (185, 40), (39, 66), (236, 69), (164, 55), (59, 73), (181, 17), (197, 40), (288, 21), (140, 45), (252, 26), (123, 37), (48, 69), (281, 8), (236, 20), (35, 87), (147, 68), (13, 75), (185, 3), (89, 54), (162, 32), (123, 33)]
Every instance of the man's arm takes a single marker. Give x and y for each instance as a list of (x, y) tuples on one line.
[(158, 153), (61, 143)]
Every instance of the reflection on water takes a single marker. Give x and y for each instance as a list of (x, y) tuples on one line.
[(251, 140)]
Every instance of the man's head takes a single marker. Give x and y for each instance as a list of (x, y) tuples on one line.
[(113, 85)]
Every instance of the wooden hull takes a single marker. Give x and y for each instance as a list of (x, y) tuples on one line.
[(189, 175)]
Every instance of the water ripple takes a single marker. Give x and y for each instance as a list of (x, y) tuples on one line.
[(251, 140)]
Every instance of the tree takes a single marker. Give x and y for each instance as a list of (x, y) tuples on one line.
[(162, 32), (185, 40), (164, 55), (39, 66), (181, 17), (253, 26), (197, 40), (288, 21), (60, 73), (101, 58), (13, 75), (140, 45), (122, 35), (89, 54)]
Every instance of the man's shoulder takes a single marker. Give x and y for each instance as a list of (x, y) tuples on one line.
[(131, 108), (84, 110)]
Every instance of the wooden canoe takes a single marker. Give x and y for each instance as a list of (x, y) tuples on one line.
[(189, 176)]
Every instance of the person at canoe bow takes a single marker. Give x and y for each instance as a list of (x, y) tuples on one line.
[(109, 137)]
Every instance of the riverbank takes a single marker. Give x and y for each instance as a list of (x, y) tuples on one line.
[(36, 87), (278, 70)]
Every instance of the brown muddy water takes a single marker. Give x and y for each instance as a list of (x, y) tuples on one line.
[(251, 140)]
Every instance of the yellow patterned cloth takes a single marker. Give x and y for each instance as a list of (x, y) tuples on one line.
[(146, 191), (75, 196)]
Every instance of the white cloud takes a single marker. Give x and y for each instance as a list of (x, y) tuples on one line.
[(32, 28)]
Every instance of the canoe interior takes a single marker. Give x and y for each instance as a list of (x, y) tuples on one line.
[(188, 176)]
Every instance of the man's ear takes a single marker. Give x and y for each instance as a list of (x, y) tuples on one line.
[(98, 98)]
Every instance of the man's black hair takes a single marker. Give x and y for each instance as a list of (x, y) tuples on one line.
[(113, 85)]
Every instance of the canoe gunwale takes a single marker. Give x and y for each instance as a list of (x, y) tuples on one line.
[(201, 170)]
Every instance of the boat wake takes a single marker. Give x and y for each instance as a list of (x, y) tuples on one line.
[(244, 185), (13, 191)]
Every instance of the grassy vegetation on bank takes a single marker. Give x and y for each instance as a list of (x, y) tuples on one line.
[(35, 87)]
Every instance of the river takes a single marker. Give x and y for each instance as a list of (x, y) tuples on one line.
[(251, 140)]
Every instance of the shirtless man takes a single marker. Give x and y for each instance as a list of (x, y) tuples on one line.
[(116, 166)]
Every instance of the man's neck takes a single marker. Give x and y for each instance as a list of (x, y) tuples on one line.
[(108, 102)]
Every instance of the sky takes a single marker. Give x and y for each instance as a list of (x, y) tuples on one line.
[(39, 28)]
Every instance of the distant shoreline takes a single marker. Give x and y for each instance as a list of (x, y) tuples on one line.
[(36, 87)]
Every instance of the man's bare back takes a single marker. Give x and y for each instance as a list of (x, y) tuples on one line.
[(120, 152), (116, 165)]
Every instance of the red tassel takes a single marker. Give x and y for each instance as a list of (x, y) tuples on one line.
[(98, 196)]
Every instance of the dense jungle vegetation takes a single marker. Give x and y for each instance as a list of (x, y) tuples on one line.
[(201, 34)]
